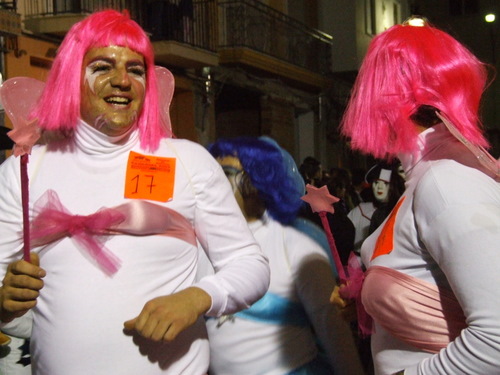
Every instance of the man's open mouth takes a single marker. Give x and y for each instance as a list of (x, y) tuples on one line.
[(118, 100)]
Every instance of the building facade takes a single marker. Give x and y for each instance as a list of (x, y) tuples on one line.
[(282, 68)]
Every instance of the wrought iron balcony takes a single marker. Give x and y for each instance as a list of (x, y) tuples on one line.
[(253, 25), (187, 22), (245, 32), (41, 8)]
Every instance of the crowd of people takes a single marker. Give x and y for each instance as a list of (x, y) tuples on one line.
[(366, 197), (134, 252)]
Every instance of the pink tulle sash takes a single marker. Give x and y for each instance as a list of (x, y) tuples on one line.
[(414, 311), (139, 218)]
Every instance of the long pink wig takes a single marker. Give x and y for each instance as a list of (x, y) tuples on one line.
[(407, 67), (59, 105)]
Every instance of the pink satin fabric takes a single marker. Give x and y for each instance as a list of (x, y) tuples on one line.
[(138, 218), (412, 310), (143, 218)]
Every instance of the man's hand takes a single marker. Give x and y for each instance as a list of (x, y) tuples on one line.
[(163, 318), (20, 288), (336, 299), (346, 307)]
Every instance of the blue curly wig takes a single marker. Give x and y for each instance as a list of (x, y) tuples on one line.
[(271, 170)]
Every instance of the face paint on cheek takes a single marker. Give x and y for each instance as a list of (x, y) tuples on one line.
[(90, 77), (142, 81), (101, 121)]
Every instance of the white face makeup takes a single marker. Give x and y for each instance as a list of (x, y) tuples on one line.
[(381, 190), (112, 89)]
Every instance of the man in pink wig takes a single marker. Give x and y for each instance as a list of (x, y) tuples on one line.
[(118, 211), (431, 284)]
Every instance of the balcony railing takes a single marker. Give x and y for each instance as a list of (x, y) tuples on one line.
[(40, 8), (188, 22), (251, 24), (211, 25)]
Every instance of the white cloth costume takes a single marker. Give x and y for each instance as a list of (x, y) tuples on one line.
[(361, 218), (300, 274), (78, 321), (446, 233)]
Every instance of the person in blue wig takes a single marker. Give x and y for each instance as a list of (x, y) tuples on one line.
[(293, 329)]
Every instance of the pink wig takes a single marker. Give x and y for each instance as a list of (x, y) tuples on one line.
[(407, 67), (59, 105)]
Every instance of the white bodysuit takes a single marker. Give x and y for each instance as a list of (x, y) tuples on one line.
[(446, 233), (78, 321)]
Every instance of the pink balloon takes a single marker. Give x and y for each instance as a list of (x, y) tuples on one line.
[(166, 86)]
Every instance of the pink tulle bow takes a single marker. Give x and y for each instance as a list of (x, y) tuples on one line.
[(352, 290), (54, 222), (136, 218)]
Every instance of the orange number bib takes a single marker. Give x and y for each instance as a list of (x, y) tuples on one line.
[(150, 177)]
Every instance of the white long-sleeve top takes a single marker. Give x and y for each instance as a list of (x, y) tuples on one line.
[(78, 321), (447, 232), (300, 273)]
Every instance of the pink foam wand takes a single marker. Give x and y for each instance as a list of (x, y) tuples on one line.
[(19, 96), (321, 202)]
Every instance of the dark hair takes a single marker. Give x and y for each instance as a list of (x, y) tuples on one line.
[(309, 168), (425, 116)]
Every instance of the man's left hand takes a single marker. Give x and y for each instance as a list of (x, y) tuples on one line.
[(163, 318)]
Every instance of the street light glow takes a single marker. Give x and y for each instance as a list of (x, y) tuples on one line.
[(489, 17), (415, 21)]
